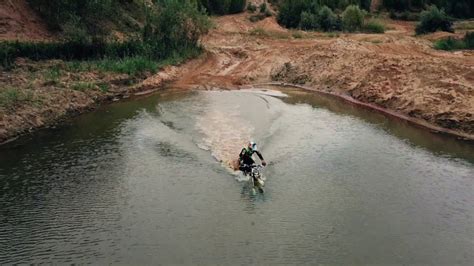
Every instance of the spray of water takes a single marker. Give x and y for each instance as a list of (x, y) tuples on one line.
[(225, 133)]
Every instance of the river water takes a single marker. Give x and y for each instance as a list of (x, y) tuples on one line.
[(147, 182)]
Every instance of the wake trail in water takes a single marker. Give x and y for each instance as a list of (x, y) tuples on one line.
[(225, 133), (227, 125)]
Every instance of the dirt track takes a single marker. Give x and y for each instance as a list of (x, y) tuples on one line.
[(395, 70)]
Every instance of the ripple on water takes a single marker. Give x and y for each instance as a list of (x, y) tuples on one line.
[(340, 190)]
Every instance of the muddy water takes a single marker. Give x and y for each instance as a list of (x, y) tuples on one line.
[(138, 183)]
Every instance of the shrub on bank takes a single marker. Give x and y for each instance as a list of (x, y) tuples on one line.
[(374, 26), (433, 20), (451, 43), (251, 7), (328, 21), (222, 7), (456, 8), (172, 30), (9, 97), (353, 18), (309, 21), (57, 13), (469, 40), (291, 12), (405, 15)]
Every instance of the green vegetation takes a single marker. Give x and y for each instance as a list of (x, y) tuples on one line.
[(353, 18), (52, 75), (291, 11), (374, 26), (83, 86), (264, 13), (433, 20), (327, 15), (456, 8), (170, 33), (270, 34), (464, 25), (297, 35), (9, 97), (308, 21), (263, 8), (327, 20), (251, 7), (451, 43), (310, 15), (405, 15), (222, 7), (83, 14)]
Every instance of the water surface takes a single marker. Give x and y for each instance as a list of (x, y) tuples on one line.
[(146, 182)]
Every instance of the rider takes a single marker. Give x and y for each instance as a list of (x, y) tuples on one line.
[(245, 157)]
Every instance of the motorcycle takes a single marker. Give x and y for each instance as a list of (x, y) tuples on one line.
[(257, 180)]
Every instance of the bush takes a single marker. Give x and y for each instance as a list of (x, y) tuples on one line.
[(129, 65), (9, 97), (237, 6), (433, 20), (252, 8), (328, 21), (374, 26), (469, 40), (170, 31), (177, 25), (263, 8), (87, 13), (290, 13), (451, 43), (353, 18), (456, 8), (406, 15), (297, 35), (309, 21), (222, 7)]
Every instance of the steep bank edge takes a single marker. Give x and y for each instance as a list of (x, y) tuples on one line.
[(415, 121)]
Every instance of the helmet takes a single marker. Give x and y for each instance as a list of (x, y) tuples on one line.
[(253, 145)]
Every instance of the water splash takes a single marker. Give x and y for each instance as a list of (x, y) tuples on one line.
[(224, 134)]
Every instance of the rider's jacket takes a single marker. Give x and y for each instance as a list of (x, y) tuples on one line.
[(246, 156)]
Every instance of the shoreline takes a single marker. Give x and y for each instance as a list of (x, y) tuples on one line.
[(51, 118), (146, 91), (414, 121)]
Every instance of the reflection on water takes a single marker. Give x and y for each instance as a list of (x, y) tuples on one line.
[(440, 144), (136, 183)]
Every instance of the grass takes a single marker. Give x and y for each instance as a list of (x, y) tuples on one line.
[(133, 66), (332, 35), (9, 97), (260, 32), (83, 86), (297, 34), (464, 25), (104, 87), (53, 75)]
